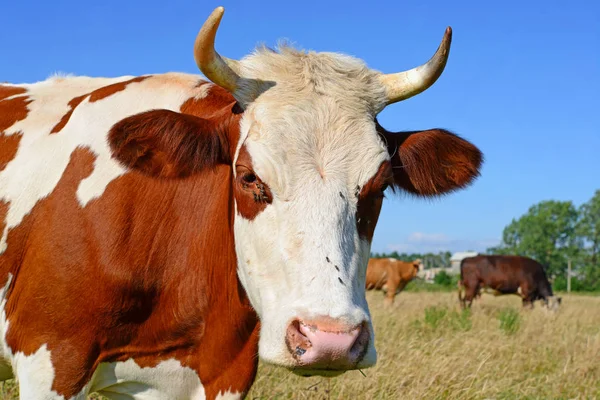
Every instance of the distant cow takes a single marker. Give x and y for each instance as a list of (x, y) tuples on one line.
[(505, 275), (390, 276)]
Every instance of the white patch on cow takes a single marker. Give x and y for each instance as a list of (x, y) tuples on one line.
[(312, 140), (127, 380), (228, 396), (94, 185), (35, 374), (42, 158)]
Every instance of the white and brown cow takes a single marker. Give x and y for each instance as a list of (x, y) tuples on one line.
[(147, 224)]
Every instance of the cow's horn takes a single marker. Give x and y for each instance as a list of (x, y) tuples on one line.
[(222, 71), (402, 85)]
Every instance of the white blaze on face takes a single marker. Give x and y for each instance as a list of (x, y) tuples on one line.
[(302, 256)]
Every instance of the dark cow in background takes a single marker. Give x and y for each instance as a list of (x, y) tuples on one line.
[(505, 275)]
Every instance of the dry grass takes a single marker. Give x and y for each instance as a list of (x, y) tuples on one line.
[(429, 349)]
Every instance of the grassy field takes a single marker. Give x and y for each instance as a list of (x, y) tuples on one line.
[(429, 349)]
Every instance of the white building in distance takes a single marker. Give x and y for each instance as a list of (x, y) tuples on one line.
[(456, 259)]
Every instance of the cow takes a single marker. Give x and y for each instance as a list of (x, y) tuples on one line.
[(160, 232), (390, 276), (500, 275)]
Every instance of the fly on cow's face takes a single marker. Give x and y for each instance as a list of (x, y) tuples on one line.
[(261, 196), (259, 191)]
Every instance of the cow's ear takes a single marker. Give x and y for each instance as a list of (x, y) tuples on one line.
[(432, 162), (167, 144)]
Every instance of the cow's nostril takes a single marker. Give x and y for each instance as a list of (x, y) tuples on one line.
[(361, 344), (296, 342), (327, 345)]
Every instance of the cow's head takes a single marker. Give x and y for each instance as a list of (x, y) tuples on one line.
[(310, 167), (418, 264), (553, 303)]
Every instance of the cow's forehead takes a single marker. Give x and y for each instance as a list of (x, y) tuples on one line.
[(314, 114), (287, 75), (311, 142)]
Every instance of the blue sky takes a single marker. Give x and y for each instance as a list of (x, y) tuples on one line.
[(522, 83)]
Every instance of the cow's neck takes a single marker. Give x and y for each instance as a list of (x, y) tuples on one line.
[(202, 308)]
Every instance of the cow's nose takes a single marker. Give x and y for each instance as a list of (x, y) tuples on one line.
[(327, 345)]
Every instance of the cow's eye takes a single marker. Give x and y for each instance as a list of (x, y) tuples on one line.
[(249, 177)]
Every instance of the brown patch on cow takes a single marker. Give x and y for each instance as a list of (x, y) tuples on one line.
[(8, 148), (221, 103), (63, 121), (370, 199), (14, 109), (251, 194), (9, 91), (431, 162), (222, 107), (109, 90), (3, 214)]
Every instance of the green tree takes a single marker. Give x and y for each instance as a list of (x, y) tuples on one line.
[(546, 233), (444, 279), (589, 230)]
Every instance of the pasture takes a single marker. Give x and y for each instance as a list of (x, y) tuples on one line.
[(429, 349)]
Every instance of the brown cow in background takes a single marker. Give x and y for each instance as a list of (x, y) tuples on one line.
[(390, 276), (505, 275)]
